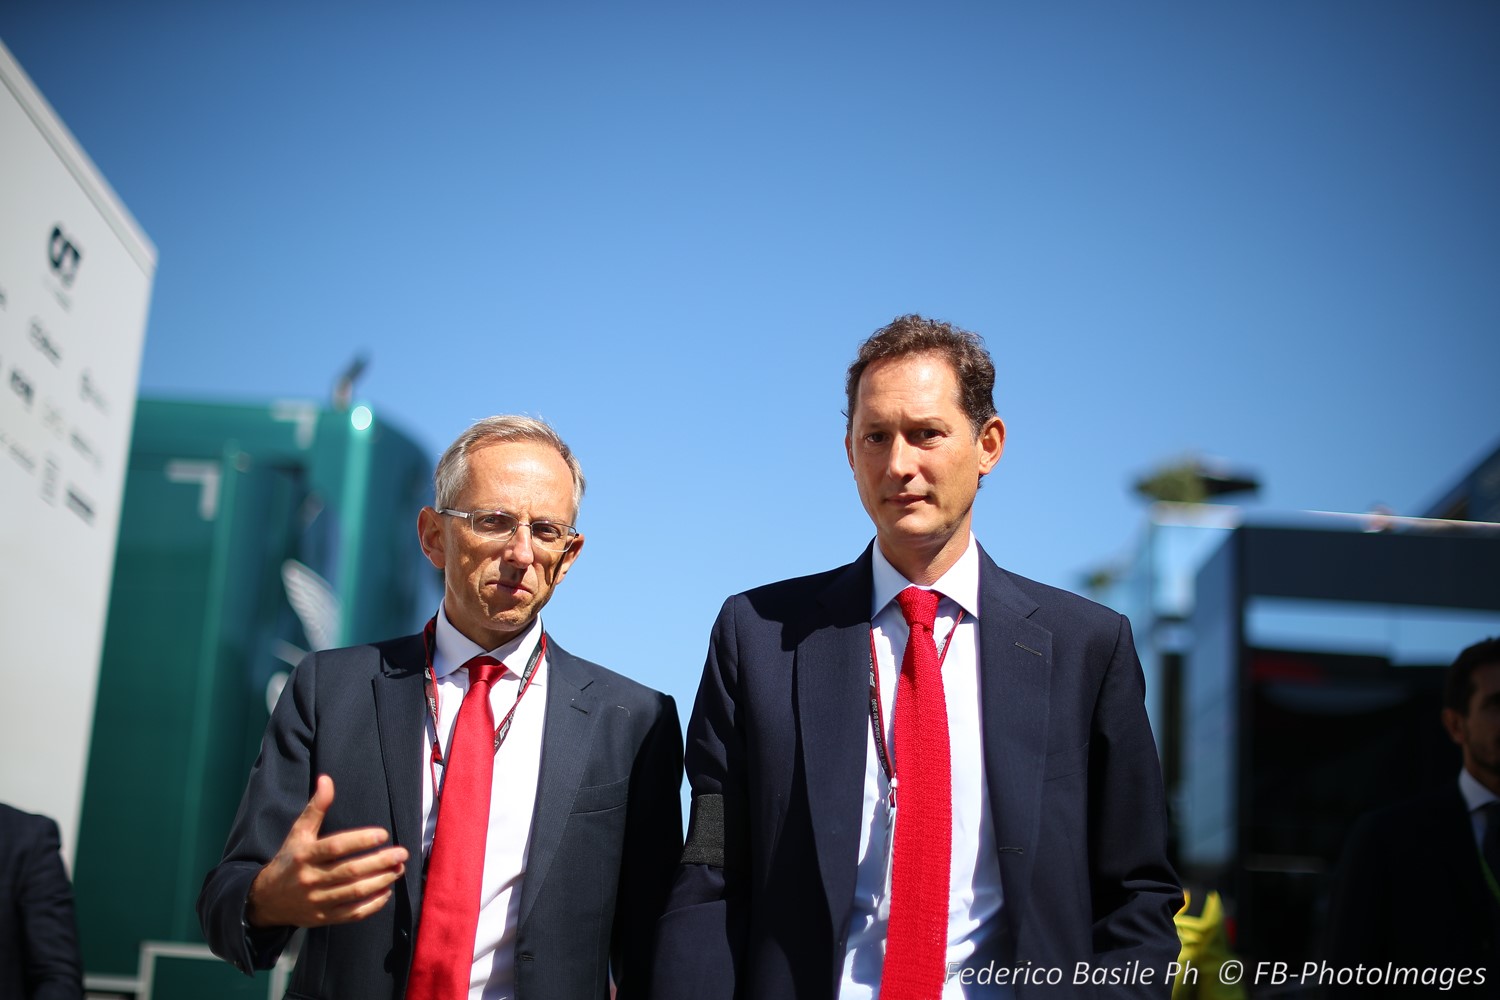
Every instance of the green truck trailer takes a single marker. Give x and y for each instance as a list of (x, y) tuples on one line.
[(249, 535)]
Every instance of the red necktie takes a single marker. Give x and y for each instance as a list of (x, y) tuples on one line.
[(455, 869), (917, 935)]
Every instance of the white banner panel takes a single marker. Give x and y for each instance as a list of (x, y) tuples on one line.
[(75, 284)]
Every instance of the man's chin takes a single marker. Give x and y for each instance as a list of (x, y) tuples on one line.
[(511, 615), (915, 532)]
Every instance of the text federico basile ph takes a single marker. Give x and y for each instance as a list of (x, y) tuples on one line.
[(1230, 972)]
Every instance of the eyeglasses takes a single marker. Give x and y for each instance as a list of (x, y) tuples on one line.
[(502, 527)]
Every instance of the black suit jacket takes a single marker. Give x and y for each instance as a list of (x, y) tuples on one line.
[(605, 835), (777, 745), (38, 933), (1409, 891)]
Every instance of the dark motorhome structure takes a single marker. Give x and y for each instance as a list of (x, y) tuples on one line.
[(1294, 666)]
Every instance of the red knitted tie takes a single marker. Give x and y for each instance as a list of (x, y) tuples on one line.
[(455, 869), (917, 935)]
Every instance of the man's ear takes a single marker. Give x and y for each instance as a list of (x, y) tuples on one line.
[(1454, 723), (430, 535), (991, 444), (575, 546)]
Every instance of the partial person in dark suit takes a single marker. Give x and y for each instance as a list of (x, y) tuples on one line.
[(920, 775), (1416, 886), (39, 957), (471, 811)]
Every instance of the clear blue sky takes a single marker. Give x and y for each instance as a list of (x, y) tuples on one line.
[(1269, 232)]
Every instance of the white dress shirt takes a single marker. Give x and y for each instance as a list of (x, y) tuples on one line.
[(512, 792), (974, 893)]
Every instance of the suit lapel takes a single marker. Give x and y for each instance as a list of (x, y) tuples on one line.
[(572, 713), (400, 719), (832, 670), (1015, 657)]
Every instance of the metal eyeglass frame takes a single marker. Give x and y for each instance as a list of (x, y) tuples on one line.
[(569, 532)]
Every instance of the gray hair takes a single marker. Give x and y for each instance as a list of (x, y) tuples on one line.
[(452, 473)]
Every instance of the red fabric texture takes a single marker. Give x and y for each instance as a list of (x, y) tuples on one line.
[(917, 935), (455, 871)]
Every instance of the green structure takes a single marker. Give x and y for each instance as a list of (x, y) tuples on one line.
[(249, 535)]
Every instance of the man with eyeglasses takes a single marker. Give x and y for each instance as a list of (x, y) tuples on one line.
[(919, 775), (470, 812)]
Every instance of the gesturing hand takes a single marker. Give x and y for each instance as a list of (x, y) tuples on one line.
[(316, 880)]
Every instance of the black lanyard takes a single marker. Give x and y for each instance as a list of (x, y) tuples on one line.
[(429, 682), (877, 718)]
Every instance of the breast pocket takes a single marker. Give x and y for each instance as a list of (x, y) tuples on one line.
[(598, 798)]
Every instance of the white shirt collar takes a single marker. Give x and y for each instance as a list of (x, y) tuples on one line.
[(1476, 796), (960, 584), (454, 649)]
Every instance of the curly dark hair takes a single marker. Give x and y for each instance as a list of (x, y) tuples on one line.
[(913, 334)]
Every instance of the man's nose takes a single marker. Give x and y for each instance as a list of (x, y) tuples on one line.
[(901, 463), (520, 549)]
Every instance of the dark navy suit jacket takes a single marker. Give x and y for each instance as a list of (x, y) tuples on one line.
[(38, 933), (1410, 891), (776, 758), (605, 836)]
